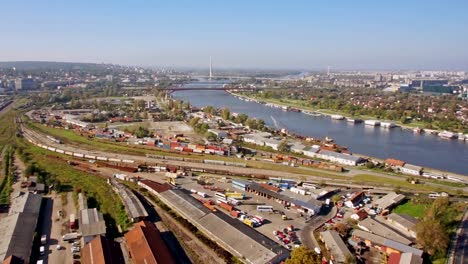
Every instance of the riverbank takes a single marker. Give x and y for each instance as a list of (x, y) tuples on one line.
[(417, 127)]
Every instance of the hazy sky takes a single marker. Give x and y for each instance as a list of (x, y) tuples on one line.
[(344, 34)]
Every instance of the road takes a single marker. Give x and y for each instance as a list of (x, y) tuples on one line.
[(307, 234), (459, 253), (55, 227)]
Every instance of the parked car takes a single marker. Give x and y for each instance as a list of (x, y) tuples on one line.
[(42, 250)]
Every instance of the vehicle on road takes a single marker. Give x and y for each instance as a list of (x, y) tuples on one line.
[(43, 239), (42, 250), (71, 236)]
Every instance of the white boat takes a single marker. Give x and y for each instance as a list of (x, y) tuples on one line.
[(372, 122), (447, 135), (311, 113), (388, 124), (337, 117)]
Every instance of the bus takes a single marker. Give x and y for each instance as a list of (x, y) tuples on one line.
[(220, 195), (264, 208), (233, 201)]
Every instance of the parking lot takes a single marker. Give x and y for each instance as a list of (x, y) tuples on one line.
[(273, 221), (54, 226)]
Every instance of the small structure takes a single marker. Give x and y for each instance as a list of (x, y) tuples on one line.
[(405, 258), (340, 158), (389, 201), (411, 169), (403, 223), (335, 245)]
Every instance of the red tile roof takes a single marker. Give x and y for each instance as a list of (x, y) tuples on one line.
[(146, 245), (101, 250), (395, 162), (158, 187)]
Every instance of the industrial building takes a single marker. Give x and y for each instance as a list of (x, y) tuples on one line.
[(233, 235), (134, 208), (146, 246), (375, 227), (101, 250), (91, 223), (384, 244), (18, 228), (311, 207), (389, 201), (334, 243)]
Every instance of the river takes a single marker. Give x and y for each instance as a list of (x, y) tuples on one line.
[(420, 149)]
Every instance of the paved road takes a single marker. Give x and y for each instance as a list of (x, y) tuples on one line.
[(55, 227), (307, 234), (460, 249)]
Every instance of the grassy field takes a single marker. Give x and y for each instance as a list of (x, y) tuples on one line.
[(66, 178), (412, 209), (383, 181)]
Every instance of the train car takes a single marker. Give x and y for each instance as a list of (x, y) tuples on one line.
[(79, 155), (90, 156), (193, 160), (216, 162), (115, 160), (235, 164), (128, 161), (51, 149), (60, 151), (174, 158), (102, 158), (69, 153)]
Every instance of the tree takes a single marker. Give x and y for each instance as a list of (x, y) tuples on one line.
[(209, 110), (350, 259), (303, 255), (283, 146), (432, 236), (225, 114), (336, 198), (210, 136)]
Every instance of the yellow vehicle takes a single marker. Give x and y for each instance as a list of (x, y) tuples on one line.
[(235, 195), (248, 222), (284, 217)]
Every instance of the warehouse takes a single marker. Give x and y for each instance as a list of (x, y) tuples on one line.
[(384, 244), (389, 201), (340, 158), (91, 224), (372, 226), (101, 250), (239, 239), (146, 245), (134, 208), (18, 228), (335, 245)]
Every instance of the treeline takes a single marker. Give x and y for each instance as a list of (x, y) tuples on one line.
[(7, 175), (436, 112)]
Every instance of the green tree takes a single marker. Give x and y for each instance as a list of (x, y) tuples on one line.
[(303, 255), (209, 110), (225, 114), (336, 198), (283, 146)]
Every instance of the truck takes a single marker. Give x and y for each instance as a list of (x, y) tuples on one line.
[(43, 239), (70, 236), (73, 225)]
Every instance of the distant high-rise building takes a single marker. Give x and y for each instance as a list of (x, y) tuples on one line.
[(328, 71), (25, 84), (109, 78), (211, 69)]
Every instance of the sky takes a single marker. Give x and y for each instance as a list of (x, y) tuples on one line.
[(310, 34)]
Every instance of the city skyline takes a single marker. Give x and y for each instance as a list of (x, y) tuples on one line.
[(363, 36)]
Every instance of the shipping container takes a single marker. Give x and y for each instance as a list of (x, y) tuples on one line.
[(226, 206), (235, 213)]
